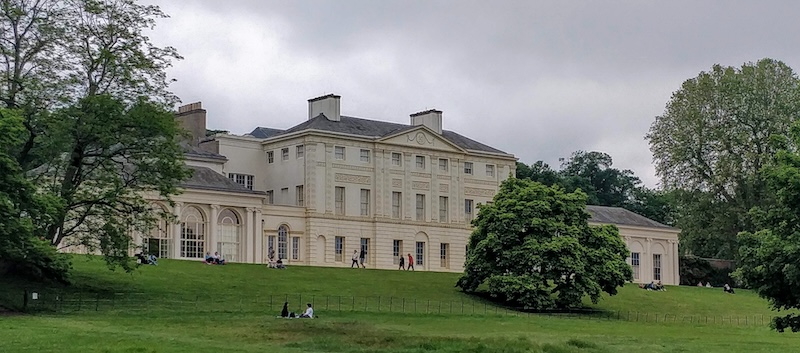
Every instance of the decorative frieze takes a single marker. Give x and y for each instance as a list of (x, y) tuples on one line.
[(443, 177), (397, 172), (321, 164), (444, 188), (420, 185), (479, 192), (480, 182), (353, 167), (351, 178), (397, 183), (421, 175)]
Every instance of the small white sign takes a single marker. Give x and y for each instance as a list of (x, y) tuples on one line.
[(35, 296)]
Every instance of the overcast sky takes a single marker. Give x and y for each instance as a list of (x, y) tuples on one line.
[(538, 79)]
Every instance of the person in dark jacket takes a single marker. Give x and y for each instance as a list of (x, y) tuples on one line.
[(285, 310), (361, 257), (402, 262)]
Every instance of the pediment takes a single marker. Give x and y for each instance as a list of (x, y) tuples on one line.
[(421, 137)]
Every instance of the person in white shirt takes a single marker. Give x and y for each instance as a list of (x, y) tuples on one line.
[(309, 312)]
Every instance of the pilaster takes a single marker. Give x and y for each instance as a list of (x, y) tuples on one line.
[(176, 231)]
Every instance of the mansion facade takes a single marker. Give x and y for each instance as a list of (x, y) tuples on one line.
[(333, 185)]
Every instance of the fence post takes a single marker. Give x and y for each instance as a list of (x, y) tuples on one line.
[(404, 304), (379, 303)]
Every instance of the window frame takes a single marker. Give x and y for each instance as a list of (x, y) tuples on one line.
[(636, 263), (397, 209), (364, 155), (657, 266), (339, 198), (420, 207), (468, 168), (444, 167), (270, 157), (285, 154), (300, 196), (337, 154), (338, 248), (365, 202), (469, 210), (399, 159), (420, 162), (300, 151), (490, 170), (444, 215)]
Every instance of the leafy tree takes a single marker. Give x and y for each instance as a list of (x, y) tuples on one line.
[(714, 136), (93, 95), (769, 259), (533, 247)]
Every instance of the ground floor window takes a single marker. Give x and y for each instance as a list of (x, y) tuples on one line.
[(397, 248), (283, 234), (192, 234), (365, 249), (444, 249), (295, 248), (271, 247), (656, 267), (420, 253), (338, 244), (635, 265), (158, 243), (229, 235)]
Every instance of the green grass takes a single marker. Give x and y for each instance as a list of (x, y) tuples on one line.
[(224, 308)]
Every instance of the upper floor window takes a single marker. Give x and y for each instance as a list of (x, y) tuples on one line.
[(300, 195), (365, 156), (443, 163), (397, 159), (338, 152), (339, 200), (467, 167), (270, 156), (468, 207), (443, 209), (420, 207), (270, 197), (365, 202), (420, 162), (301, 151), (245, 180), (285, 154), (490, 170)]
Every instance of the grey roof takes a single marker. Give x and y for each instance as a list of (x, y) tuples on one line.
[(375, 129), (204, 178), (621, 216), (196, 151), (265, 132)]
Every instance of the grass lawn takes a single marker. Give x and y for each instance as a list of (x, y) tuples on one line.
[(238, 318)]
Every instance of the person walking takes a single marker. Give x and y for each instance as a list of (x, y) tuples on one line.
[(402, 262), (410, 263), (355, 259), (362, 256)]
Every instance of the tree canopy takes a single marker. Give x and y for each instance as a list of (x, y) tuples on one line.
[(715, 135), (533, 247)]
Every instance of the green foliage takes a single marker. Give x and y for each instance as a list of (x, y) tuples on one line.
[(694, 269), (716, 133), (532, 247)]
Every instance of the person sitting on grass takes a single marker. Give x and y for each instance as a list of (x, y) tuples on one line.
[(309, 314), (218, 260), (285, 310), (660, 286), (152, 260), (727, 289), (208, 259), (140, 258), (708, 284), (279, 265)]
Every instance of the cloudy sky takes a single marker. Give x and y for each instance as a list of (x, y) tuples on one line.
[(539, 79)]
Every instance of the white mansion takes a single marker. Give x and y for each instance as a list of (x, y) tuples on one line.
[(335, 184)]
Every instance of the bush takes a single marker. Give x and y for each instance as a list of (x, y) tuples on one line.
[(694, 269)]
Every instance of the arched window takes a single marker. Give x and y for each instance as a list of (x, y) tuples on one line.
[(229, 235), (192, 233), (283, 235), (159, 241)]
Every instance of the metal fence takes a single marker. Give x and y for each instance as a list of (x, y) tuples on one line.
[(70, 302)]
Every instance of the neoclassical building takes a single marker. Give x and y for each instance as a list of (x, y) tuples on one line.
[(334, 184)]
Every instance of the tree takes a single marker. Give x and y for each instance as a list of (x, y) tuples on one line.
[(714, 136), (93, 94), (769, 259), (533, 247)]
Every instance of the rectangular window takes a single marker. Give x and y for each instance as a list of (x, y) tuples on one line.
[(467, 167), (420, 253), (364, 249), (397, 159), (365, 202), (339, 200), (468, 210), (365, 156), (635, 264), (245, 180), (397, 204), (656, 267), (420, 207), (285, 196), (338, 152), (270, 197), (338, 248), (285, 154), (295, 248), (420, 162), (300, 195), (443, 209), (397, 250), (271, 247), (443, 250), (443, 165), (301, 151), (270, 157), (490, 170)]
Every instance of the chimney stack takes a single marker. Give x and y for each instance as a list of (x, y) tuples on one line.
[(431, 118), (328, 105), (192, 118)]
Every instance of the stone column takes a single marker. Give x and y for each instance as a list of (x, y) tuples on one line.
[(675, 258), (249, 235), (212, 237), (647, 261), (176, 231), (258, 248)]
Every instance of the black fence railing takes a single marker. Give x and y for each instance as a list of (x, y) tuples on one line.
[(69, 302)]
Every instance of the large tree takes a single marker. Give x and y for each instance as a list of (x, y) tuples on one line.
[(711, 141), (93, 95), (769, 259), (533, 247)]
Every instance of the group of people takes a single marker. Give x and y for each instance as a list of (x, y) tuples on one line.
[(215, 259), (275, 264), (410, 263), (707, 285), (308, 314), (726, 288), (358, 257), (146, 259), (653, 286)]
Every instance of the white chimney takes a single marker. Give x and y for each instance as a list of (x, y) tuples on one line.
[(327, 105), (430, 118)]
